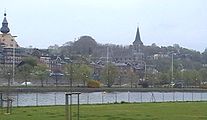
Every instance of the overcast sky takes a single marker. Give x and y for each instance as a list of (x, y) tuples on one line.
[(42, 23)]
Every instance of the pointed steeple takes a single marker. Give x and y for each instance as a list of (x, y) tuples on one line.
[(138, 47), (138, 39), (5, 29)]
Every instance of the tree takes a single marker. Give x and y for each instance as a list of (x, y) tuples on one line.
[(78, 72), (85, 72), (32, 61), (24, 69), (176, 46), (152, 79), (131, 76), (164, 78), (54, 50), (85, 45), (109, 74), (57, 73), (203, 73), (41, 73), (69, 70), (24, 72), (73, 71), (191, 77)]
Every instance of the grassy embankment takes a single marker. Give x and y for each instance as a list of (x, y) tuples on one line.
[(143, 111), (85, 89)]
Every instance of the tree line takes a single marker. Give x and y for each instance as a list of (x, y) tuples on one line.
[(189, 66)]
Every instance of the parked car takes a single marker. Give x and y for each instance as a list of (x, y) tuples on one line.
[(178, 85), (26, 83)]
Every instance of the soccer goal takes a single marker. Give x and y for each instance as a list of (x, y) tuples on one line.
[(69, 103)]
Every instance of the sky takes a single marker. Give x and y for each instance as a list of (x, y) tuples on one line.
[(41, 23)]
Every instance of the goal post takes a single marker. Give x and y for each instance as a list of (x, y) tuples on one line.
[(69, 97)]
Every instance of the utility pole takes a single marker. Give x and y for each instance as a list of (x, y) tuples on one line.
[(107, 57), (172, 69), (8, 110), (14, 60)]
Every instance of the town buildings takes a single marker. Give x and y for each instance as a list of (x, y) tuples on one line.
[(10, 52)]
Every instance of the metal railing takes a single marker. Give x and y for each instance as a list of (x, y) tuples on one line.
[(58, 98)]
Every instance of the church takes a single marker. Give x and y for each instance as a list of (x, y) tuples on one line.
[(6, 39), (10, 52)]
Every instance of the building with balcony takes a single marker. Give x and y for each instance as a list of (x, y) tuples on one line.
[(10, 52)]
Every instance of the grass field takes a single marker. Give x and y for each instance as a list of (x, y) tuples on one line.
[(143, 111)]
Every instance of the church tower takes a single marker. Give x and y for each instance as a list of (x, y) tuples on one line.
[(5, 29), (138, 47), (6, 39)]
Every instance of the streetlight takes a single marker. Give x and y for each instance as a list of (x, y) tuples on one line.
[(145, 69), (172, 62), (120, 80), (107, 57), (69, 78), (67, 75), (71, 74), (9, 81), (8, 110), (14, 60)]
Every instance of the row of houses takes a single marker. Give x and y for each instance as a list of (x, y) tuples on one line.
[(11, 54)]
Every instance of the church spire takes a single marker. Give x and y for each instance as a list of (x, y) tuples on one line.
[(5, 29), (138, 39)]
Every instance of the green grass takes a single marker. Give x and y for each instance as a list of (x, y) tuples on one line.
[(143, 111)]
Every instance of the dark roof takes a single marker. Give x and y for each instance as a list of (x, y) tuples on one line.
[(137, 39), (5, 28)]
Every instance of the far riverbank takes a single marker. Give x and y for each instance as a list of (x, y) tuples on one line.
[(102, 89)]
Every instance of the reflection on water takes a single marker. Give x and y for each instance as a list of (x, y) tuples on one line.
[(58, 98)]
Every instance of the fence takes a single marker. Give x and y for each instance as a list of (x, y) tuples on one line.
[(58, 98)]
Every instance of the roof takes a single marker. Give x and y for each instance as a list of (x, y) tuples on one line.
[(5, 28), (137, 39), (5, 21)]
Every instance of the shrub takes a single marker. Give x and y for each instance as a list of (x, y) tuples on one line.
[(93, 84), (123, 102), (203, 86)]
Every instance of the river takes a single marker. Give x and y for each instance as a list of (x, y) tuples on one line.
[(58, 98)]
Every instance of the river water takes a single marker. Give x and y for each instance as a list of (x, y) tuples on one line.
[(58, 98)]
